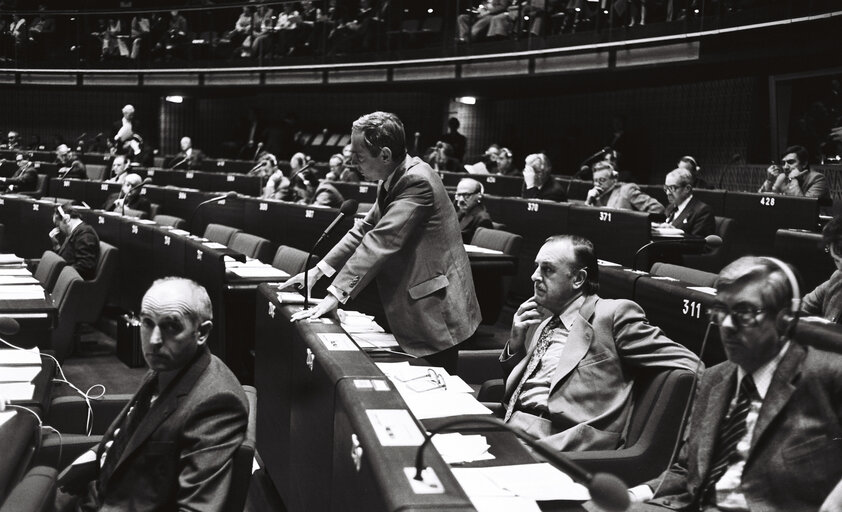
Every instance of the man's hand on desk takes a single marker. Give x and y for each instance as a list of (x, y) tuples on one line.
[(296, 282), (325, 307)]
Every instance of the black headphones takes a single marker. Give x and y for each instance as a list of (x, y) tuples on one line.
[(64, 216), (788, 319)]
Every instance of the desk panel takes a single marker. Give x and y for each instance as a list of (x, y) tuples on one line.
[(135, 271), (758, 216), (240, 183), (617, 282), (362, 192), (616, 234), (97, 192), (226, 166), (715, 198), (71, 189), (681, 313)]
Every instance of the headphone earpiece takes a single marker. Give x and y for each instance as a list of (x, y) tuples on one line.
[(64, 216), (788, 318)]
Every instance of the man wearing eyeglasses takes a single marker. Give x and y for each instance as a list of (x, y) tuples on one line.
[(796, 178), (766, 428), (610, 192), (685, 211), (572, 357), (826, 300), (469, 208)]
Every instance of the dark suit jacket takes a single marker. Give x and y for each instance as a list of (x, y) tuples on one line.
[(410, 242), (695, 219), (795, 458), (24, 179), (476, 217), (179, 457), (552, 190), (81, 250), (180, 160), (134, 201), (591, 389), (826, 299)]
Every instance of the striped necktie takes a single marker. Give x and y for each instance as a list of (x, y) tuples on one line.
[(731, 431), (540, 350)]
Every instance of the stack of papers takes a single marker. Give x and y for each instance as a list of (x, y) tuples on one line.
[(490, 487), (10, 259), (23, 292), (666, 230), (214, 245), (456, 448), (17, 370), (431, 392), (14, 280), (14, 271), (354, 321), (482, 250)]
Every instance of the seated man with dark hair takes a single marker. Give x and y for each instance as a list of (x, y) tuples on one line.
[(765, 429), (25, 178), (609, 192), (129, 197), (796, 178), (75, 241), (171, 448), (572, 356), (826, 300)]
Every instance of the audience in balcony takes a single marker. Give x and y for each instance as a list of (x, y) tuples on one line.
[(112, 44), (262, 36), (141, 32), (610, 192), (538, 182), (519, 15), (474, 25), (795, 178), (470, 210), (455, 139)]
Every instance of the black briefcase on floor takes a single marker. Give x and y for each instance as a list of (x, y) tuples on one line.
[(129, 349)]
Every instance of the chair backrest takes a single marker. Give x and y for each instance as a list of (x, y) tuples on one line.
[(66, 278), (170, 220), (714, 260), (220, 233), (252, 246), (48, 269), (289, 259), (686, 274), (131, 212), (153, 210), (508, 243), (656, 393), (96, 172), (242, 462), (40, 188)]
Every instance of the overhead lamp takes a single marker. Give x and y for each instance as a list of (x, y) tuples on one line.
[(467, 100), (175, 99)]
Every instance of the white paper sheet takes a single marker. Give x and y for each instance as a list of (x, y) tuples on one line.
[(214, 245), (11, 356), (481, 250), (456, 448), (6, 259), (17, 390), (14, 271), (266, 271), (22, 292), (703, 289), (18, 373), (17, 280), (540, 482)]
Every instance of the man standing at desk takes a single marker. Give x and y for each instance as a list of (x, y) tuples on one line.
[(766, 423), (410, 242), (572, 356), (75, 241)]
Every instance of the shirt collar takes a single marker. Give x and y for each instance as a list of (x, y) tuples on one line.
[(763, 375), (397, 173), (571, 312), (680, 207)]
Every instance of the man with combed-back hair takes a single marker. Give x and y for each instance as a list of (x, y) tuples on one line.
[(410, 242), (572, 356), (766, 428), (171, 447)]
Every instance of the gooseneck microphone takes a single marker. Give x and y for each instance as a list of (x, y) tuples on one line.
[(349, 207), (199, 206), (734, 159), (687, 245), (607, 491)]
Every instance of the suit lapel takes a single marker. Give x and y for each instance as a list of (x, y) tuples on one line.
[(167, 403), (718, 401), (578, 342), (779, 392)]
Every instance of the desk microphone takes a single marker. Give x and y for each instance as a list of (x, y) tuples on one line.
[(687, 245), (607, 491), (349, 207), (257, 151), (186, 158), (9, 326), (224, 196)]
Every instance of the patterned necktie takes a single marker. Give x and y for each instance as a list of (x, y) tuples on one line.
[(135, 415), (540, 350), (731, 431)]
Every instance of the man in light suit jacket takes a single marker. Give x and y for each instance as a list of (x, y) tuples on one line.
[(171, 447), (609, 192), (787, 453), (410, 243), (572, 356), (826, 300), (685, 211)]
